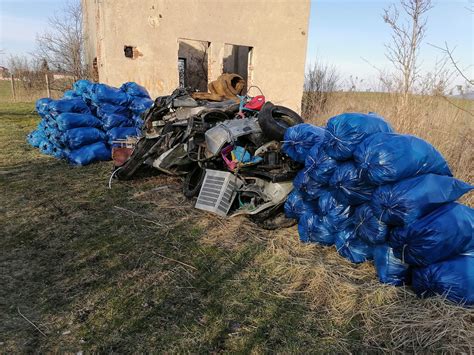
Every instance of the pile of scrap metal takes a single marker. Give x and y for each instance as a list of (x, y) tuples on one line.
[(229, 152)]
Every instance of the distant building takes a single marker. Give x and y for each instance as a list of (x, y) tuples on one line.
[(163, 44)]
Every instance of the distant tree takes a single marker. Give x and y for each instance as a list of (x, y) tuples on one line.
[(61, 46), (407, 36)]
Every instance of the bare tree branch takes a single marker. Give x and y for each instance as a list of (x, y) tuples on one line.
[(450, 53), (62, 45), (406, 39)]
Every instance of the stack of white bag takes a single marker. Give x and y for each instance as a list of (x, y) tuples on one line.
[(380, 195)]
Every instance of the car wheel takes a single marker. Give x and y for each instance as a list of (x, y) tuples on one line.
[(274, 120)]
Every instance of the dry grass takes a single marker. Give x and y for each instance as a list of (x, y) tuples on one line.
[(447, 127), (155, 274)]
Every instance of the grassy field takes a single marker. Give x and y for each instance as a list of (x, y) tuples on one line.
[(136, 269)]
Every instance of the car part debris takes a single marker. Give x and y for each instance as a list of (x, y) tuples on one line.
[(218, 191)]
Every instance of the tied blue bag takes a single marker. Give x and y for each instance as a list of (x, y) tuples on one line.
[(82, 86), (42, 106), (133, 89), (103, 93), (140, 104), (368, 227), (35, 138), (109, 109), (348, 186), (349, 246), (110, 121), (90, 154), (71, 94), (78, 137), (390, 269), (295, 205), (332, 211), (66, 121), (313, 229), (319, 165), (299, 140), (309, 188), (57, 107), (389, 157), (405, 201), (440, 235), (453, 278), (344, 132)]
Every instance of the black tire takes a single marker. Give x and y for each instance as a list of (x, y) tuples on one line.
[(274, 120), (126, 171), (193, 182)]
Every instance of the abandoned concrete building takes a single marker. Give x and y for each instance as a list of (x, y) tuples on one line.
[(164, 44)]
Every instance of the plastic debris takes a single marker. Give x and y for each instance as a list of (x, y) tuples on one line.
[(444, 233), (344, 132), (299, 140), (390, 157), (390, 269), (405, 201), (453, 279)]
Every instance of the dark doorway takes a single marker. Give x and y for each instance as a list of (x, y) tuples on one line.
[(193, 64), (237, 60)]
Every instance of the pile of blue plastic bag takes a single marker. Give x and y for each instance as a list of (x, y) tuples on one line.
[(82, 126), (387, 197)]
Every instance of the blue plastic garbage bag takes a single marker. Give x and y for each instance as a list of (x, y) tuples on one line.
[(50, 121), (344, 132), (46, 147), (78, 137), (335, 213), (390, 157), (89, 154), (71, 94), (349, 246), (133, 89), (104, 93), (390, 269), (309, 188), (348, 185), (140, 104), (42, 125), (137, 121), (312, 229), (110, 121), (58, 152), (440, 235), (82, 86), (57, 107), (122, 133), (319, 165), (88, 92), (295, 205), (368, 227), (299, 140), (66, 121), (109, 109), (453, 278), (35, 138), (405, 201), (42, 106)]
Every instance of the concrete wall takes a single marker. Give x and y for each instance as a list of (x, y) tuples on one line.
[(276, 30)]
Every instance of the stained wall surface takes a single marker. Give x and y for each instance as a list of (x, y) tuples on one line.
[(276, 31)]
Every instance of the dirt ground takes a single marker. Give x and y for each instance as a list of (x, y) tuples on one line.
[(136, 268)]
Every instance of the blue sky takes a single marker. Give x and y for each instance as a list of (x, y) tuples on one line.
[(341, 32)]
